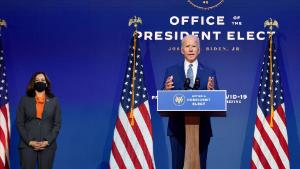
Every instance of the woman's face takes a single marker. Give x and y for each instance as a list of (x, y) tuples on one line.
[(40, 78)]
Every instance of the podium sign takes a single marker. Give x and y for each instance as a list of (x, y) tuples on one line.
[(191, 100)]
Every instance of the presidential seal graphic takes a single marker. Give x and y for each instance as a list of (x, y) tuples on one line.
[(178, 99), (205, 4)]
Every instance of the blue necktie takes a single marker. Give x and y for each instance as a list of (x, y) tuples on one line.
[(190, 75)]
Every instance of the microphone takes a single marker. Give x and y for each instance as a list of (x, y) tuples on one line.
[(197, 84), (187, 82)]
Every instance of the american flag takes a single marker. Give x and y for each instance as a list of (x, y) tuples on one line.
[(270, 143), (132, 146), (4, 114)]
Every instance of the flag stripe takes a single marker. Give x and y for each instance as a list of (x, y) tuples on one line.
[(133, 141), (270, 145), (280, 135), (8, 119), (144, 126), (1, 164), (272, 140), (281, 140), (128, 145), (3, 126), (2, 149), (281, 127), (252, 165), (280, 119), (115, 159), (258, 158), (146, 116), (281, 113), (264, 149), (150, 129), (123, 151), (5, 116), (147, 135), (6, 109), (2, 155), (3, 136), (142, 142)]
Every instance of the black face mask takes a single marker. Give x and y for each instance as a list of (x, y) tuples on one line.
[(40, 86)]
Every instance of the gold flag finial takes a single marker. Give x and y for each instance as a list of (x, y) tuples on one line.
[(3, 23), (270, 23), (135, 21)]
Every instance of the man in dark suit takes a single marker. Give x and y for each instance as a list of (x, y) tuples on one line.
[(175, 77)]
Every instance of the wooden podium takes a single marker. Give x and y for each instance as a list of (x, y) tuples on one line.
[(192, 119)]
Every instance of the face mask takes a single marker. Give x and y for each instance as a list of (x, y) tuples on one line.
[(40, 86)]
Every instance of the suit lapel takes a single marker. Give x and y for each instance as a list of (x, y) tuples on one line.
[(33, 106), (200, 70), (201, 76)]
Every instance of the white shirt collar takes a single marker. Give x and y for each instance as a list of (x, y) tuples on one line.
[(186, 64)]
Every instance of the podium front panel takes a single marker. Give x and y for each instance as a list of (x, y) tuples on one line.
[(191, 100)]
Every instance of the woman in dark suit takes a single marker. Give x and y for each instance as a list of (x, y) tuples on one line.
[(38, 122)]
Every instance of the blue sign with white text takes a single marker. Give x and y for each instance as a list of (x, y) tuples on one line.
[(191, 100)]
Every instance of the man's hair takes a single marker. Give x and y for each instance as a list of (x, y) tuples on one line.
[(190, 36)]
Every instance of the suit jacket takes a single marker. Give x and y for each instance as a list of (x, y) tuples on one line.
[(30, 128), (176, 125)]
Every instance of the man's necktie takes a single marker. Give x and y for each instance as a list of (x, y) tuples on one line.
[(190, 75)]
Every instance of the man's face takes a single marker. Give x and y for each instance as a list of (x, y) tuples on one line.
[(190, 49)]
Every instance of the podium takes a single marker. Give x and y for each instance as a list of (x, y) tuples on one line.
[(192, 103)]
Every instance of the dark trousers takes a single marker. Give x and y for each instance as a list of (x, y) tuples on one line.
[(29, 158), (178, 148)]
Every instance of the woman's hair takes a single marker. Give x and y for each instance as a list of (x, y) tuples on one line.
[(30, 88)]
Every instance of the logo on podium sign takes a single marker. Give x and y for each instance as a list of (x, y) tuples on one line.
[(178, 99)]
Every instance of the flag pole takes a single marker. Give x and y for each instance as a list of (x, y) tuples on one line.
[(135, 21), (270, 23)]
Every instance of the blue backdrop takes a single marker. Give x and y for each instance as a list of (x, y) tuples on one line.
[(83, 45)]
